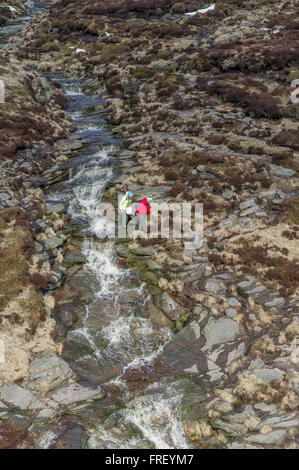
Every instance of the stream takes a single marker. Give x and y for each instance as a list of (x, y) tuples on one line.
[(115, 334)]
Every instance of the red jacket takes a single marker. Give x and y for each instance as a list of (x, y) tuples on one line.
[(143, 207)]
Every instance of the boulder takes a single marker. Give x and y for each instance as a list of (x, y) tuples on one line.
[(267, 375), (48, 372), (282, 172), (19, 397), (77, 393), (220, 331), (267, 439)]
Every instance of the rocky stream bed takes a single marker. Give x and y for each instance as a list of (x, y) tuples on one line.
[(130, 344)]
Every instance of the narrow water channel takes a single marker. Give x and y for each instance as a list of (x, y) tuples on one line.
[(115, 331), (115, 326)]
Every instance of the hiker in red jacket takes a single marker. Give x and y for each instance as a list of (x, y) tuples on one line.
[(143, 209)]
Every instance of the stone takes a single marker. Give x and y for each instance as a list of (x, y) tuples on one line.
[(249, 211), (77, 393), (200, 168), (261, 214), (227, 222), (220, 331), (246, 204), (17, 396), (169, 306), (282, 420), (255, 291), (74, 257), (267, 375), (282, 172), (231, 429), (143, 251), (57, 208), (240, 445), (48, 372), (245, 285), (257, 363), (230, 312), (53, 242), (267, 194), (271, 409), (4, 197), (212, 285), (45, 83), (77, 345), (223, 407), (267, 439), (246, 222), (228, 195), (233, 302), (277, 302)]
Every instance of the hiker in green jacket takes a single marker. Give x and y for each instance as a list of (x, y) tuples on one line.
[(124, 205)]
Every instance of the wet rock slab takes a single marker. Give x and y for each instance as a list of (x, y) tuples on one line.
[(49, 372), (77, 393), (14, 395)]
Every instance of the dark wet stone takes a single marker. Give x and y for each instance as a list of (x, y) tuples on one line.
[(48, 372), (67, 315), (53, 242), (95, 371), (74, 257), (76, 345), (71, 436), (79, 287)]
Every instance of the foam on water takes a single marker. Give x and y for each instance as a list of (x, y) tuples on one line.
[(131, 340), (156, 418)]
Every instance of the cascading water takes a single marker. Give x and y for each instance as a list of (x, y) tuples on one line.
[(128, 339), (120, 337)]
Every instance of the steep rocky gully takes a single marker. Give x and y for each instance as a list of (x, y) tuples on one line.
[(142, 343)]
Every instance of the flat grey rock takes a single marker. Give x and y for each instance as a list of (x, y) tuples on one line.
[(17, 396), (246, 222), (270, 438), (77, 393), (228, 195), (246, 204), (271, 409), (49, 371), (247, 284), (230, 312), (213, 285), (281, 171), (233, 302), (53, 242), (220, 331), (58, 208), (267, 375), (74, 257), (249, 211)]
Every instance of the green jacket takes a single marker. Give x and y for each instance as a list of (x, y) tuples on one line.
[(125, 202)]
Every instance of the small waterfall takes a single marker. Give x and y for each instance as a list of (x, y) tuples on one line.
[(129, 339)]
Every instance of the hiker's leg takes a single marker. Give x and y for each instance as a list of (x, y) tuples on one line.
[(124, 219), (142, 222)]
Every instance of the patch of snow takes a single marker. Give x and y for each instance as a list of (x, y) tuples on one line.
[(204, 10), (80, 50)]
